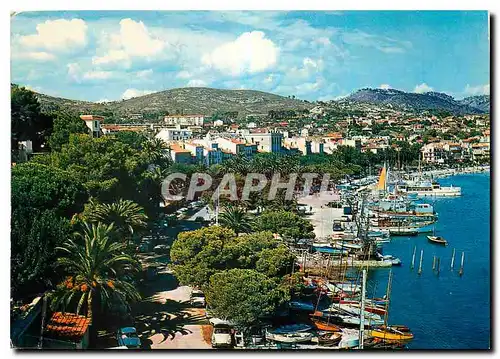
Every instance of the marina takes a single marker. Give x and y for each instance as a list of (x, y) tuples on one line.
[(412, 243)]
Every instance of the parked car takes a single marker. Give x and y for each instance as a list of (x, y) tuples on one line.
[(221, 336), (197, 298), (128, 337), (161, 248)]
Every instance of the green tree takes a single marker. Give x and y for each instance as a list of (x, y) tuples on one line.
[(98, 272), (64, 125), (109, 169), (275, 262), (287, 224), (125, 215), (235, 218), (27, 120), (43, 199), (196, 255), (244, 296)]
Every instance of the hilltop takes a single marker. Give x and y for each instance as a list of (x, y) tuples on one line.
[(417, 101), (199, 100), (481, 102)]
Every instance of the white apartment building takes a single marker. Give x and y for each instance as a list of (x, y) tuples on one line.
[(433, 153), (93, 122), (184, 120), (174, 134), (265, 140)]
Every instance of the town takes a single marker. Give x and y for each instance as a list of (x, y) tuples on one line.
[(311, 239)]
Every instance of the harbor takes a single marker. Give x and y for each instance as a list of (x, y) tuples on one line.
[(425, 276)]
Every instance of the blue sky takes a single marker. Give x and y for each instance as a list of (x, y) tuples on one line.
[(100, 56)]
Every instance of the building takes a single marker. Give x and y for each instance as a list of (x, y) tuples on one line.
[(265, 140), (184, 120), (179, 154), (93, 122), (174, 134), (66, 331), (236, 146), (481, 151), (433, 153)]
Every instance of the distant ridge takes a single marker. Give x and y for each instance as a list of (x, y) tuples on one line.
[(419, 101), (207, 101), (189, 100)]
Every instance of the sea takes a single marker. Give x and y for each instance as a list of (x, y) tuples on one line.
[(445, 310)]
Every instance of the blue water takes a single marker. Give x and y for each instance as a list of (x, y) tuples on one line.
[(445, 311)]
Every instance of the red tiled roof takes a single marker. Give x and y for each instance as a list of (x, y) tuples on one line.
[(178, 149), (91, 118), (67, 326)]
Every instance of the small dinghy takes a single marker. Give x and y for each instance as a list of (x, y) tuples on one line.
[(329, 339)]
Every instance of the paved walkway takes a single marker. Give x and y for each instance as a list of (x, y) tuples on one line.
[(322, 216), (166, 319)]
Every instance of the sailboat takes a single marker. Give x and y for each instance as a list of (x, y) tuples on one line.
[(437, 239), (391, 334)]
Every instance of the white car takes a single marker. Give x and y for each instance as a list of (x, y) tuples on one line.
[(221, 336), (197, 298)]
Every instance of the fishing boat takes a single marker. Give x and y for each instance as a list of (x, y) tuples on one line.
[(297, 305), (295, 337), (437, 240), (324, 325), (329, 339), (403, 231), (390, 334), (369, 307)]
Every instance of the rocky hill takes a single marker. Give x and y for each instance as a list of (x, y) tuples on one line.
[(481, 102), (191, 100), (414, 101)]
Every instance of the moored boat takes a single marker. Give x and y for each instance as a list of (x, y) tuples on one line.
[(329, 339), (390, 334), (437, 240), (292, 337)]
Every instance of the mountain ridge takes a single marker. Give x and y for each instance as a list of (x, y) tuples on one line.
[(207, 101), (418, 101)]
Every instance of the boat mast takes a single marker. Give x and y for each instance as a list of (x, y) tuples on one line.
[(217, 208), (387, 299), (362, 312)]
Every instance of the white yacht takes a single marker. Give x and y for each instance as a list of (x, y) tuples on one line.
[(429, 189)]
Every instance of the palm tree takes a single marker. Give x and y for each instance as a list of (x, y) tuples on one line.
[(126, 215), (156, 151), (236, 219), (98, 271)]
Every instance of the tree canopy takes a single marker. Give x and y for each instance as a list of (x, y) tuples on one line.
[(43, 201), (287, 224), (244, 296)]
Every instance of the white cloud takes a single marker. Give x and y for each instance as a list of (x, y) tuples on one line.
[(57, 35), (130, 93), (97, 75), (385, 86), (269, 79), (74, 71), (103, 100), (251, 52), (422, 88), (196, 83), (132, 41), (144, 73), (35, 55), (184, 74), (477, 90)]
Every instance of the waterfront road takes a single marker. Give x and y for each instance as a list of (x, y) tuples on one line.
[(322, 216)]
